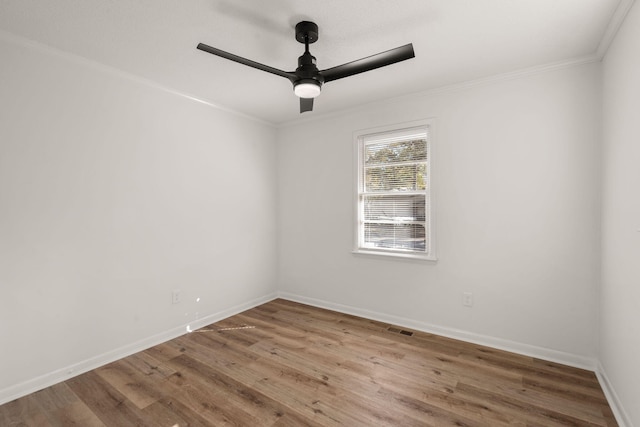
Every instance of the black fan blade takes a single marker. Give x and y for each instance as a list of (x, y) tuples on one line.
[(244, 61), (369, 63), (306, 104)]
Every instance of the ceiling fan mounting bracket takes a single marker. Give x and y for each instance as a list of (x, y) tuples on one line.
[(306, 32)]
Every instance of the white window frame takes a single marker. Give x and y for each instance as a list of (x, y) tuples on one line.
[(381, 134)]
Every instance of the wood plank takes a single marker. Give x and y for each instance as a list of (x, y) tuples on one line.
[(109, 405), (231, 391), (75, 414), (534, 411), (20, 411), (136, 387), (172, 412)]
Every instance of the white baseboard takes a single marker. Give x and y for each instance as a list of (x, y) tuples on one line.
[(614, 402), (22, 389), (556, 356)]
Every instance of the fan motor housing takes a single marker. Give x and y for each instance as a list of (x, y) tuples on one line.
[(307, 69)]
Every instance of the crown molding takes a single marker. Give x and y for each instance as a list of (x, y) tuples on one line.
[(614, 26), (85, 62), (483, 81)]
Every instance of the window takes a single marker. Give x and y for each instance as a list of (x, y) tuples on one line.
[(394, 192)]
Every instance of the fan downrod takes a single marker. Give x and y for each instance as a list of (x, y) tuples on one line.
[(306, 32)]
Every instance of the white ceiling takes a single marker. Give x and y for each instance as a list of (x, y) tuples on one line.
[(454, 40)]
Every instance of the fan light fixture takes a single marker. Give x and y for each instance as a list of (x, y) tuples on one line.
[(307, 89)]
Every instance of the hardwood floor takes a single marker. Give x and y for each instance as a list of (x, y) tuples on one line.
[(287, 364)]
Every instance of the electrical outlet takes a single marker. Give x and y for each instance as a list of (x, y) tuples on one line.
[(175, 296), (467, 299)]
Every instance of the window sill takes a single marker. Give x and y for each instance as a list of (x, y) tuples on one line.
[(385, 254)]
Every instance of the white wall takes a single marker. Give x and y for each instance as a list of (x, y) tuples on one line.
[(517, 183), (620, 295), (112, 194)]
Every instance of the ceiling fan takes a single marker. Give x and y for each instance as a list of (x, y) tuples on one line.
[(307, 79)]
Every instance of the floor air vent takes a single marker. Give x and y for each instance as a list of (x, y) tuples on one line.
[(399, 331)]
